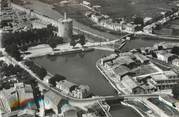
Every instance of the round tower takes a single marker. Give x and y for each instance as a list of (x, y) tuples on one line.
[(65, 29)]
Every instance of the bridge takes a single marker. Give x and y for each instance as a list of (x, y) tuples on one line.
[(113, 42)]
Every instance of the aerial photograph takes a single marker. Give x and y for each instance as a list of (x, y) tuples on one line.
[(89, 58)]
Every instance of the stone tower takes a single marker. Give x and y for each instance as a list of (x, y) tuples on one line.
[(65, 28)]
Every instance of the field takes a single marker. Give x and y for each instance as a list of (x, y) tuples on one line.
[(113, 8), (121, 8)]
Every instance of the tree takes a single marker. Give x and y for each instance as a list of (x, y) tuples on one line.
[(72, 42), (73, 88), (59, 77), (175, 50), (56, 78), (42, 73), (153, 54), (53, 43), (82, 40), (175, 91), (139, 20), (13, 51)]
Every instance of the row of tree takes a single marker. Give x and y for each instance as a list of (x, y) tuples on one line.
[(38, 70), (13, 51), (25, 39), (9, 72), (14, 42)]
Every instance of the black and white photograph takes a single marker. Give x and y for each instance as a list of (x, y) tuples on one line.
[(89, 58)]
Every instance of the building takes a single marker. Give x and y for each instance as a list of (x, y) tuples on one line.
[(175, 62), (65, 28), (65, 86), (86, 3), (72, 89), (129, 27), (4, 105), (20, 96), (20, 113), (160, 81), (89, 115), (5, 3), (129, 83), (52, 101), (121, 71), (147, 19), (165, 56), (70, 113), (143, 59), (80, 92)]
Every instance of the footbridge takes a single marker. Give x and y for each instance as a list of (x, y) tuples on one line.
[(104, 43)]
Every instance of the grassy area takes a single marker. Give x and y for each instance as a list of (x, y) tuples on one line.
[(113, 8), (121, 8)]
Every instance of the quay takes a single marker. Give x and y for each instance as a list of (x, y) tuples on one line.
[(44, 50), (103, 108), (113, 84), (120, 88)]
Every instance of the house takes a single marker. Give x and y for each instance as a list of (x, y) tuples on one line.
[(86, 3), (126, 61), (52, 101), (129, 27), (165, 56), (143, 59), (20, 113), (90, 115), (4, 105), (80, 92), (70, 113), (148, 84), (65, 86), (171, 74), (121, 70), (96, 18), (165, 80), (176, 62), (20, 96), (148, 29), (131, 85), (147, 19)]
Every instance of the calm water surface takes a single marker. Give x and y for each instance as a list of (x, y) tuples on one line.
[(81, 69)]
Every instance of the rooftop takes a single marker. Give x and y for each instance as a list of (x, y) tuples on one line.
[(66, 83), (53, 97), (159, 77), (121, 70)]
